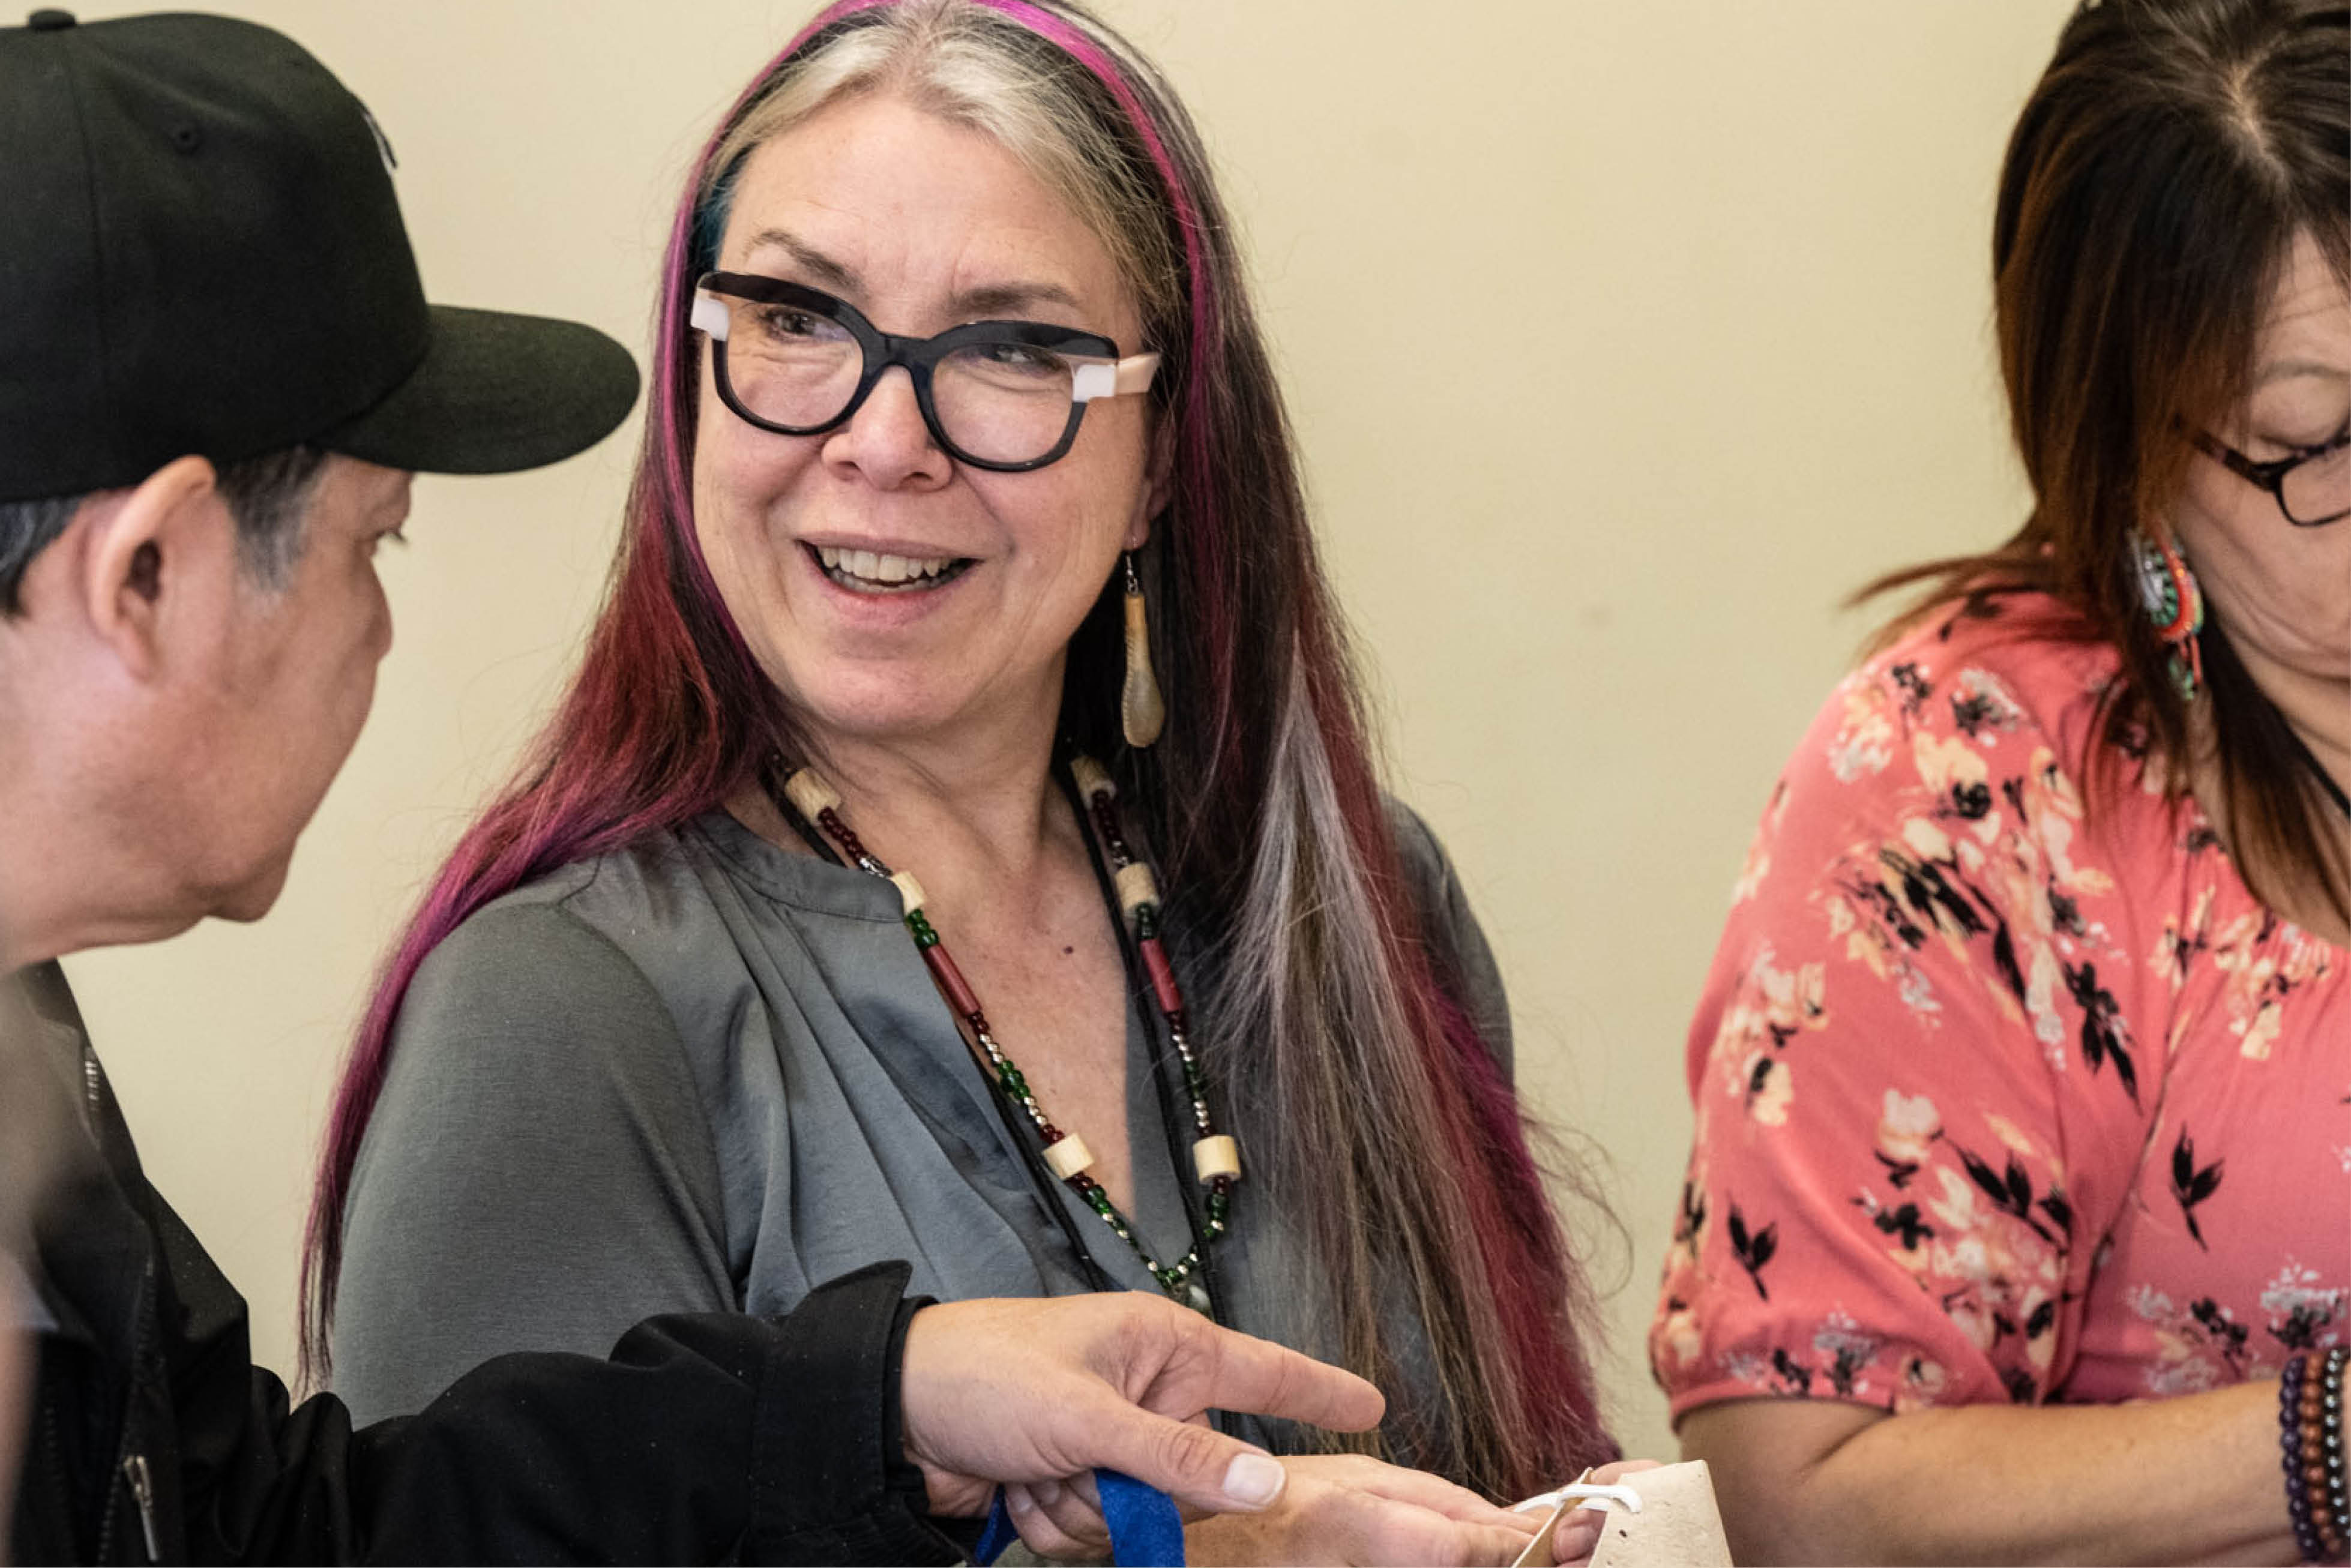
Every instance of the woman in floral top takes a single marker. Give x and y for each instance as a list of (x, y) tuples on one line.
[(2024, 1074)]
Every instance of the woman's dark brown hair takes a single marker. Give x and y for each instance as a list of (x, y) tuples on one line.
[(2152, 190)]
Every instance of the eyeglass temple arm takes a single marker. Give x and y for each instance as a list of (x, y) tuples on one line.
[(1113, 378), (710, 315)]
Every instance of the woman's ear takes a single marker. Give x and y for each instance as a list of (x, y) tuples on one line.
[(1158, 483), (138, 557)]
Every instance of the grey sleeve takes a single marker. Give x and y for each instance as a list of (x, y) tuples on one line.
[(1457, 942), (539, 1174)]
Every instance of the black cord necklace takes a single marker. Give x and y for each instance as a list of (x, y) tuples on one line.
[(1215, 1155)]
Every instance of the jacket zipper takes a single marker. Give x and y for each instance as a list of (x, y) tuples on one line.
[(135, 1467), (142, 1486), (91, 1099)]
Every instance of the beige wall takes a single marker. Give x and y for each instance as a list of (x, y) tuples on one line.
[(1623, 339)]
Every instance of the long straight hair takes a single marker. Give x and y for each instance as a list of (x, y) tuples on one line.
[(2153, 190), (1377, 1118)]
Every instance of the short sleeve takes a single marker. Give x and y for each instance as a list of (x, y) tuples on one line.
[(1911, 1083), (539, 1174)]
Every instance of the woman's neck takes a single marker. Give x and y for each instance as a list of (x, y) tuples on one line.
[(2316, 705), (972, 812)]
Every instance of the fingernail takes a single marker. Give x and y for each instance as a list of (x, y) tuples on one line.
[(1047, 1493), (1254, 1480)]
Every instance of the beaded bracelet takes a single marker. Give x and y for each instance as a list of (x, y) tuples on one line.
[(2323, 1429), (2310, 1440)]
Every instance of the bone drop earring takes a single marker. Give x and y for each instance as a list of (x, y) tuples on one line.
[(1142, 711)]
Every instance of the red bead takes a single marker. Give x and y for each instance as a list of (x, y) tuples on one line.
[(1162, 976), (961, 995), (831, 824)]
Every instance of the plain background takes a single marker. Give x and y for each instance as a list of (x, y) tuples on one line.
[(1623, 341)]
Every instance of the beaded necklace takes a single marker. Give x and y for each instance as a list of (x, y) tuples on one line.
[(1215, 1157)]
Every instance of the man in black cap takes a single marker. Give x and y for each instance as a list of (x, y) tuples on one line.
[(217, 372)]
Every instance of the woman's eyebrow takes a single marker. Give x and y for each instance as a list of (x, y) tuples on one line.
[(833, 276), (975, 303), (1005, 298)]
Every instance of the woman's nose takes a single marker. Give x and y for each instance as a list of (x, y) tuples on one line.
[(886, 439)]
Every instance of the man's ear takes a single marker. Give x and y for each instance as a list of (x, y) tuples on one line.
[(140, 554), (1159, 481)]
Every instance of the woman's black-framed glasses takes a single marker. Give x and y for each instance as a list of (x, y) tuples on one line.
[(2311, 487), (1001, 395)]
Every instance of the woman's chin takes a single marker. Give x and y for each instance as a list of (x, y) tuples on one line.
[(881, 714)]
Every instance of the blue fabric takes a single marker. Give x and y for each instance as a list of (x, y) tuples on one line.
[(1145, 1531)]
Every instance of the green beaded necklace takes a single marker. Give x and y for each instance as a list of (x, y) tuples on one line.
[(1215, 1157)]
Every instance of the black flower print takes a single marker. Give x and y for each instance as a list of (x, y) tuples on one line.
[(1689, 1227), (2010, 1190), (2190, 1186), (2102, 1025), (1913, 687), (1973, 711), (1753, 1249), (1905, 1222), (1898, 1173), (2226, 1332), (2302, 1309)]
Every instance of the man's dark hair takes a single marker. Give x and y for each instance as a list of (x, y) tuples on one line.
[(267, 495)]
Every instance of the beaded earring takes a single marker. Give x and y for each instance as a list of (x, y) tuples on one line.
[(1142, 711), (2175, 605)]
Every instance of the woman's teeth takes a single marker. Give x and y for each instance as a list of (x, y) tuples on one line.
[(863, 569)]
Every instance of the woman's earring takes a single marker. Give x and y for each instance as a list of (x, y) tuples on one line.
[(2175, 605), (1141, 710)]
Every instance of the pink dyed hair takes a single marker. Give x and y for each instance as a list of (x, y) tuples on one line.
[(669, 716)]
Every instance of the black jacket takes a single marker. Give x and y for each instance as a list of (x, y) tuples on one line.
[(154, 1438)]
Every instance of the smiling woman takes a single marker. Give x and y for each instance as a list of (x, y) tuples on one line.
[(963, 432)]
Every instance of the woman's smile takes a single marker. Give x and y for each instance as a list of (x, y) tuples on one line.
[(870, 571)]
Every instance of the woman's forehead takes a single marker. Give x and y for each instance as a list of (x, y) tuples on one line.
[(879, 201), (2309, 318)]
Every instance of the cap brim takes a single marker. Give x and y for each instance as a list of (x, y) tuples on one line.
[(495, 392)]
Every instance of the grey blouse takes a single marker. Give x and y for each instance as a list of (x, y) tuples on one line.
[(704, 1075)]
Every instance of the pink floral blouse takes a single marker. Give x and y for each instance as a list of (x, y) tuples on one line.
[(1997, 1099)]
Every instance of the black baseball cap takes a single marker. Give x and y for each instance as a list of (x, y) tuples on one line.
[(200, 251)]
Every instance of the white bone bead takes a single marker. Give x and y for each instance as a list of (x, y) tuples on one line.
[(1067, 1157), (810, 796), (1214, 1157), (1136, 885), (910, 891), (1093, 777)]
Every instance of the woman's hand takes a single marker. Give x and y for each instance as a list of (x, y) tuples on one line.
[(1578, 1530), (1340, 1508)]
